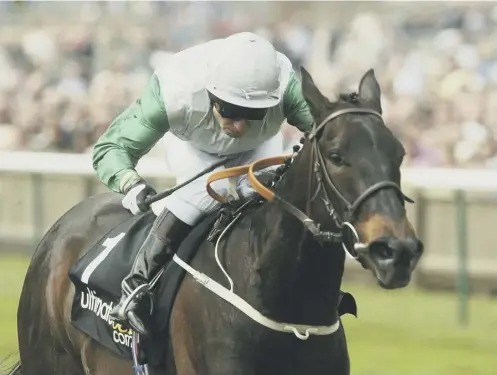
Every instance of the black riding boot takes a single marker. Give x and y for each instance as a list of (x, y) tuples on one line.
[(160, 245)]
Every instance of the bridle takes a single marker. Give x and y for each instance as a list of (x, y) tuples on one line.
[(344, 224), (345, 232)]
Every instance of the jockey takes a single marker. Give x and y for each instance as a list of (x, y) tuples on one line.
[(226, 97)]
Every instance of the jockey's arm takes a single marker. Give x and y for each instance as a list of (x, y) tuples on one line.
[(131, 135), (295, 107)]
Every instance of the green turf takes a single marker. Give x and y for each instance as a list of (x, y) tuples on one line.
[(12, 271), (401, 332), (411, 332)]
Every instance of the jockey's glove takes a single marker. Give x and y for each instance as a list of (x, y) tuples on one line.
[(135, 196)]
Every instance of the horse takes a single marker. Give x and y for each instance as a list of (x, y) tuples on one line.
[(340, 194)]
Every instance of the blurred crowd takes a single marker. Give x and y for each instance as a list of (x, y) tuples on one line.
[(62, 84)]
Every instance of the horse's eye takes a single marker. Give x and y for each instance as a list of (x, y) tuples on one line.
[(336, 159)]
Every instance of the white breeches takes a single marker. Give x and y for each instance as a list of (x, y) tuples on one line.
[(192, 202)]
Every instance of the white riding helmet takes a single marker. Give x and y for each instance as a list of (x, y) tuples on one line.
[(246, 72)]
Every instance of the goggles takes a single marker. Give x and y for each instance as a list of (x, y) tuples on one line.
[(235, 112)]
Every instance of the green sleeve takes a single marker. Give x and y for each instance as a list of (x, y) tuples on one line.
[(131, 135), (295, 107)]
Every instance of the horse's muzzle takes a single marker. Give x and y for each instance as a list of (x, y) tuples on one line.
[(394, 259)]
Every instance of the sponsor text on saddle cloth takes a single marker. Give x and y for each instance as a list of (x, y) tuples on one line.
[(98, 274)]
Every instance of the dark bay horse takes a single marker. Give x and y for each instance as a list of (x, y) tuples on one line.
[(346, 178)]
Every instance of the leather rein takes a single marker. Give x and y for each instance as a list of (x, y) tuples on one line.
[(342, 224)]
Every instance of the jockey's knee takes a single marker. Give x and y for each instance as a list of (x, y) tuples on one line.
[(191, 210)]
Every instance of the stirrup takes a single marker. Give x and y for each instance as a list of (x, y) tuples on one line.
[(140, 368), (135, 294)]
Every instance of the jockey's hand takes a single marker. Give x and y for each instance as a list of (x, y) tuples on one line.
[(135, 196)]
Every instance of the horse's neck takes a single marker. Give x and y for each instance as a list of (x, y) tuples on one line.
[(299, 280)]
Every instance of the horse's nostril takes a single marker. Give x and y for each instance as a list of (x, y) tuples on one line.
[(381, 249), (385, 252), (400, 251)]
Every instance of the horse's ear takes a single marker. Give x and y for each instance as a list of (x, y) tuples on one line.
[(316, 101), (369, 90)]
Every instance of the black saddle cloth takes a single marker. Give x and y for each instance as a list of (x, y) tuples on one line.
[(97, 279)]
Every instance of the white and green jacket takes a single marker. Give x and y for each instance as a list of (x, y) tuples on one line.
[(175, 100)]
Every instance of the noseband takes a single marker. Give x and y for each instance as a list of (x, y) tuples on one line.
[(343, 224)]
